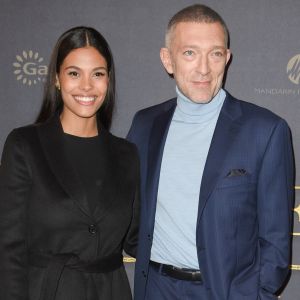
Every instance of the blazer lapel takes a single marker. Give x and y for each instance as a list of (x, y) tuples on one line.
[(51, 137), (225, 132), (157, 141), (112, 169)]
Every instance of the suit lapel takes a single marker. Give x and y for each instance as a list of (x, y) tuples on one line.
[(51, 137), (157, 141), (112, 169), (225, 132)]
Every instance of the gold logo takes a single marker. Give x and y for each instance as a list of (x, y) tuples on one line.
[(29, 68), (293, 69), (297, 210)]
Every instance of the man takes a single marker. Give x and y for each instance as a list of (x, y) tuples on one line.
[(217, 179)]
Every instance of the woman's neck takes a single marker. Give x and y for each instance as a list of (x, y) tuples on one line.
[(82, 127)]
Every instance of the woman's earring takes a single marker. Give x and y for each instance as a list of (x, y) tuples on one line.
[(57, 85)]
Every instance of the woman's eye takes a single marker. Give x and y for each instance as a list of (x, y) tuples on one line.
[(99, 74), (73, 74)]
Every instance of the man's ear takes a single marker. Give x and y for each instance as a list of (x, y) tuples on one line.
[(165, 57), (228, 55)]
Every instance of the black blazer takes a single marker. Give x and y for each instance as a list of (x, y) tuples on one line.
[(44, 212)]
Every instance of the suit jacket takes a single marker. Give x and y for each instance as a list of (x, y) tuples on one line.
[(245, 203), (44, 211)]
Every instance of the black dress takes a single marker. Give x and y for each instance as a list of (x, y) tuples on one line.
[(84, 154)]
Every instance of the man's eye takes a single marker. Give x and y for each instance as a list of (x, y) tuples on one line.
[(217, 53), (188, 52)]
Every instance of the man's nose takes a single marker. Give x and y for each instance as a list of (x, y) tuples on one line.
[(203, 65)]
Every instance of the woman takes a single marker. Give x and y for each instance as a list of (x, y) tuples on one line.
[(68, 188)]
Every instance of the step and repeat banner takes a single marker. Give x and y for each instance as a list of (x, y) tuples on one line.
[(265, 67)]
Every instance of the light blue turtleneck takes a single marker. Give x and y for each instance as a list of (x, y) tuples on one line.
[(184, 157)]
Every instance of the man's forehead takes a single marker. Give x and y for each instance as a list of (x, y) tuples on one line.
[(199, 30), (191, 23)]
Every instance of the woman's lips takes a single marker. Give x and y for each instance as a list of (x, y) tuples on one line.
[(85, 100)]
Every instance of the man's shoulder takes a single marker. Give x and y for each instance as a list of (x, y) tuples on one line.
[(145, 118), (154, 110), (253, 111)]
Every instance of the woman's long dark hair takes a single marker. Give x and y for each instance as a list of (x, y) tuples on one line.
[(77, 37)]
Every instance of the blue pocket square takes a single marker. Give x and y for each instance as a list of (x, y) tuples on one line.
[(236, 172)]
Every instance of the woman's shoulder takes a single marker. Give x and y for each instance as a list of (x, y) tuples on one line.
[(121, 144), (18, 145), (22, 133)]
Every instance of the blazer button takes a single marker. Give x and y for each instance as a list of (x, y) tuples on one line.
[(92, 229)]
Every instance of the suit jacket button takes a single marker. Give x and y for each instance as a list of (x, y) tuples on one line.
[(92, 229)]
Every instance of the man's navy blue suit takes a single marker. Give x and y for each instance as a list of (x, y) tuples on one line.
[(245, 203)]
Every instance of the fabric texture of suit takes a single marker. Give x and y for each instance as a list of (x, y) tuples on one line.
[(44, 210), (245, 204)]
